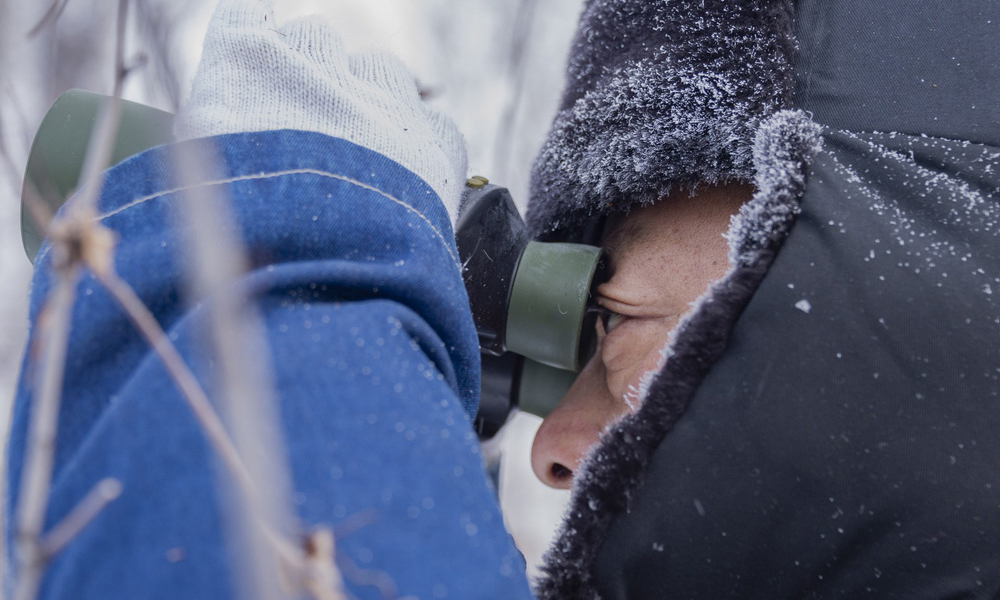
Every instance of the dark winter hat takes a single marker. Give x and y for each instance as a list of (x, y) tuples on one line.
[(660, 94)]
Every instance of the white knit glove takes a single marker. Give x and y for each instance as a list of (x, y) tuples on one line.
[(255, 76)]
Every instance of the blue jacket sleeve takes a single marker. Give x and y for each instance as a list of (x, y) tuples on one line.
[(373, 351)]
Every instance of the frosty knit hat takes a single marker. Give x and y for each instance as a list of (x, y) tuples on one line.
[(660, 94)]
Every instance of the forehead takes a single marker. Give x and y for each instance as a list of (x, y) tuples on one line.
[(682, 214), (624, 231), (679, 233)]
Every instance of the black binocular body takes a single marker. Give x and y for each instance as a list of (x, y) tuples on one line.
[(529, 299)]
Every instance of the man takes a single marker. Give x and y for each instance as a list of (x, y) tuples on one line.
[(819, 423)]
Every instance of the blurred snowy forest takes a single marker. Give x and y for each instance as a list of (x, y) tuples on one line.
[(496, 66)]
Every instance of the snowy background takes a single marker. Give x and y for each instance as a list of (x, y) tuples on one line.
[(496, 66)]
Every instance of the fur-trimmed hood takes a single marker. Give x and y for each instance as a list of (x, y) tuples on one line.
[(660, 94)]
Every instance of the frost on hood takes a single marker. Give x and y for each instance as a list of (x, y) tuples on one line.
[(785, 141), (937, 204), (657, 99)]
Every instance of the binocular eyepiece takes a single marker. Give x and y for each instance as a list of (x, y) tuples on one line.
[(529, 299)]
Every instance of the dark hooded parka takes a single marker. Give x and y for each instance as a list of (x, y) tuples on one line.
[(827, 422)]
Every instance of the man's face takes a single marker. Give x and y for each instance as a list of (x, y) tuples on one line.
[(660, 258)]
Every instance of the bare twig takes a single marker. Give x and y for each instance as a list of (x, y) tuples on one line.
[(243, 381), (121, 71), (246, 387), (158, 33), (377, 579), (12, 174), (36, 477), (182, 376), (13, 102), (38, 210), (106, 491), (516, 73), (51, 16), (102, 140), (196, 398), (102, 143), (322, 577), (75, 240)]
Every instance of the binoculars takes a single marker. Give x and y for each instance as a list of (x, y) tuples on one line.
[(529, 299)]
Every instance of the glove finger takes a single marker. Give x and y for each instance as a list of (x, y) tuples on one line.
[(388, 73), (313, 38), (242, 14), (451, 143), (450, 139)]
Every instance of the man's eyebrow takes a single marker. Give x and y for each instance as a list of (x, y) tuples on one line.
[(622, 231)]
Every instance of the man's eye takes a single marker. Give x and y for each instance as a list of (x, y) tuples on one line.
[(608, 319), (612, 320)]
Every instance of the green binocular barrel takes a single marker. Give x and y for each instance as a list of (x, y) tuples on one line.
[(548, 303), (59, 151), (548, 322), (542, 388)]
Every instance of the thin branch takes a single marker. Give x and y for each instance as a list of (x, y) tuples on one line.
[(158, 33), (13, 102), (102, 143), (38, 210), (36, 477), (516, 73), (322, 574), (242, 381), (245, 383), (105, 492), (196, 398), (75, 240), (102, 140), (380, 580), (79, 240), (12, 172), (51, 16), (121, 71)]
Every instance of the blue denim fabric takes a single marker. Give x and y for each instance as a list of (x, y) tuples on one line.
[(356, 276)]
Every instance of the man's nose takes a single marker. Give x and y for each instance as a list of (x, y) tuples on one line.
[(568, 433)]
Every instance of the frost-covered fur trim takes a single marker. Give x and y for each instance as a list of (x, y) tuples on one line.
[(782, 144), (612, 473), (660, 93)]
